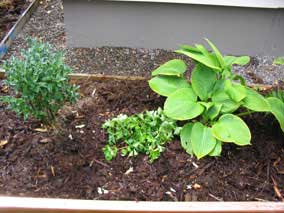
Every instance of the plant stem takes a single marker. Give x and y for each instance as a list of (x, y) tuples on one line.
[(122, 147), (244, 113)]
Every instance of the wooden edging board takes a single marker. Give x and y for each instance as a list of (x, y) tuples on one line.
[(82, 76), (48, 205), (13, 32), (272, 4)]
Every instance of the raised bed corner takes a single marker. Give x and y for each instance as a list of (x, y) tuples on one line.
[(17, 27)]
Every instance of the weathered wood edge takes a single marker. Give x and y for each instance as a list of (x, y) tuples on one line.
[(266, 4), (13, 32), (80, 76), (44, 205)]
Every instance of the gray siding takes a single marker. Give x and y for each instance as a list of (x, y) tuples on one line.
[(235, 30)]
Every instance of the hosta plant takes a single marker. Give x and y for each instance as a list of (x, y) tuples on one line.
[(146, 133), (208, 103), (40, 82)]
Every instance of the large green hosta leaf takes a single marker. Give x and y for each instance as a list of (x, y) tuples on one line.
[(203, 80), (197, 56), (241, 60), (205, 52), (182, 105), (237, 92), (222, 98), (189, 48), (217, 53), (277, 109), (231, 128), (255, 101), (217, 149), (202, 140), (219, 85), (165, 85), (213, 111), (174, 67), (185, 137)]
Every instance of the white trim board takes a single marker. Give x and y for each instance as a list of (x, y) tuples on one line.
[(48, 205), (273, 4)]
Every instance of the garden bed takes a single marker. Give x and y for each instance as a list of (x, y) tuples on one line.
[(71, 163)]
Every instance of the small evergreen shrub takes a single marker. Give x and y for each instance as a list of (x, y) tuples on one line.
[(40, 82)]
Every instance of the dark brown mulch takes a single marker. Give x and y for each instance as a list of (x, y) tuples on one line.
[(71, 164), (10, 10)]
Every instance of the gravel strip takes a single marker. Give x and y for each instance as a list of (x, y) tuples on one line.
[(47, 23)]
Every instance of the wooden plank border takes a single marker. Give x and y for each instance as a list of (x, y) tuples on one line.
[(13, 32), (272, 4), (82, 76), (2, 74), (47, 205)]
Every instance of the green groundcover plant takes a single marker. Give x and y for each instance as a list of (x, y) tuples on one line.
[(40, 82), (278, 61), (210, 100), (277, 94), (146, 132)]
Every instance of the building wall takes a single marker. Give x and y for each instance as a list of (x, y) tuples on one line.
[(235, 30)]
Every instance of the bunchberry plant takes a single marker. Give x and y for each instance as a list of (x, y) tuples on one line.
[(210, 101), (40, 82), (146, 133)]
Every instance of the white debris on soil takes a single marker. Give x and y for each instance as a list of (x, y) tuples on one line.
[(80, 126), (130, 170), (195, 165), (70, 137), (189, 186), (101, 190)]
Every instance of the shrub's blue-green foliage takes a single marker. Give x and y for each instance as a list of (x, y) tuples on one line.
[(40, 82), (146, 132), (209, 102)]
